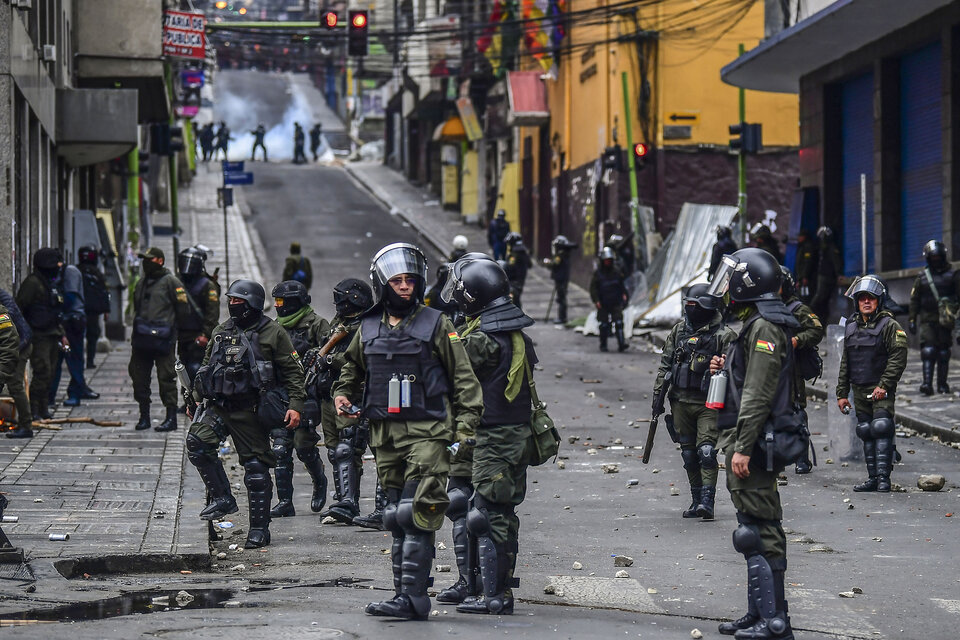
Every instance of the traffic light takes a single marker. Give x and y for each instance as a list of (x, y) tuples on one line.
[(640, 150), (330, 20), (143, 163), (357, 34), (613, 158), (750, 137)]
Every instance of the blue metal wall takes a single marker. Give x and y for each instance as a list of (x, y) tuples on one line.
[(856, 126)]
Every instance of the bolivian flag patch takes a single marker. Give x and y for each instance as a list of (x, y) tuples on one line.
[(765, 346), (900, 333), (454, 336)]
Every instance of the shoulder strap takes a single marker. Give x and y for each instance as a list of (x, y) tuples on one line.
[(933, 287), (424, 325), (533, 385), (251, 357)]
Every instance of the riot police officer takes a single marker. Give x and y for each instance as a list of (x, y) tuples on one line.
[(936, 282), (559, 265), (759, 401), (829, 272), (10, 359), (811, 333), (305, 329), (250, 382), (722, 247), (345, 438), (416, 371), (874, 357), (15, 385), (518, 264), (763, 239), (609, 293), (502, 356), (687, 352), (204, 313)]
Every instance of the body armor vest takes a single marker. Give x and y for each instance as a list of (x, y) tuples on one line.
[(610, 287), (943, 281), (300, 337), (866, 352), (793, 306), (497, 410), (407, 352), (45, 313), (237, 371), (197, 293), (692, 358)]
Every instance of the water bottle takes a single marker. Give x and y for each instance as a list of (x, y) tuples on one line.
[(393, 395), (718, 390), (405, 391)]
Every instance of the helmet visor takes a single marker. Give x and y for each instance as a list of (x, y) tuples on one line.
[(866, 284), (190, 263), (721, 279), (396, 259), (452, 283)]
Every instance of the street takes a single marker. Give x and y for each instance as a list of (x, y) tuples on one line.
[(896, 554)]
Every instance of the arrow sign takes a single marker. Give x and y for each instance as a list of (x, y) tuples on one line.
[(674, 117), (238, 177), (232, 167)]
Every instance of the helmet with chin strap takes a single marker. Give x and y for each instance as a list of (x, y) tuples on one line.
[(748, 275), (394, 260)]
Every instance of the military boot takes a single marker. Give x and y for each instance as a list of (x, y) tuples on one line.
[(884, 463), (310, 458), (494, 569), (604, 333), (776, 626), (220, 500), (803, 467), (750, 618), (144, 421), (337, 483), (348, 507), (456, 593), (170, 422), (691, 511), (256, 477), (705, 508), (283, 473), (621, 341), (926, 388), (374, 520), (870, 458), (412, 603), (22, 430), (943, 369)]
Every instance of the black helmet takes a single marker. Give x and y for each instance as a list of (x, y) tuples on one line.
[(513, 238), (700, 294), (291, 296), (476, 285), (352, 296), (762, 231), (870, 285), (723, 231), (87, 254), (788, 288), (248, 290), (935, 253), (501, 214), (749, 275), (393, 260), (190, 262), (47, 258), (561, 242)]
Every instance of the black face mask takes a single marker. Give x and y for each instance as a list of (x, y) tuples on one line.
[(347, 310), (290, 307), (697, 316), (397, 306), (52, 274), (244, 315), (151, 268)]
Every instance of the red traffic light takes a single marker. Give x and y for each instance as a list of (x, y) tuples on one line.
[(330, 20), (640, 149), (359, 20)]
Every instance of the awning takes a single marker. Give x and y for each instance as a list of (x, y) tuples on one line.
[(826, 36), (527, 97), (450, 131), (95, 125)]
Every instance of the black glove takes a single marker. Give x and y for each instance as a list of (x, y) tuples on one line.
[(309, 358), (913, 327)]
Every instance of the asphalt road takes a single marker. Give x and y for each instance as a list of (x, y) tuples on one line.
[(900, 549)]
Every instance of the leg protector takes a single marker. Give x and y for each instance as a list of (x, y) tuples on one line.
[(310, 458), (928, 358), (256, 477), (604, 334), (283, 474), (708, 456), (621, 341), (870, 458), (374, 520), (776, 627), (884, 448), (943, 369), (746, 540), (220, 500), (707, 497), (459, 489), (492, 560), (391, 524), (348, 507), (335, 471)]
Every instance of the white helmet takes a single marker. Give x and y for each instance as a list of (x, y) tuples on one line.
[(460, 242)]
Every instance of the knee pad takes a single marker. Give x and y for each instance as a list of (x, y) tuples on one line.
[(690, 459), (478, 522), (863, 431), (405, 517), (199, 452), (928, 352), (307, 454), (708, 456), (882, 413), (256, 476), (332, 455), (390, 520), (882, 428), (943, 355), (459, 503), (343, 452), (746, 540), (283, 449)]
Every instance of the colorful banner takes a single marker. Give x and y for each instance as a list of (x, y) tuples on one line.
[(184, 35)]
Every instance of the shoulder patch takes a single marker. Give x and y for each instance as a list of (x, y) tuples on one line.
[(454, 336), (816, 320), (296, 356), (765, 346), (693, 340), (4, 317), (212, 295)]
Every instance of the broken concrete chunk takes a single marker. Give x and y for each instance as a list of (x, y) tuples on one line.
[(621, 574), (696, 634), (238, 567), (441, 545), (622, 561), (577, 566), (610, 468), (846, 594), (931, 482), (443, 568), (561, 464), (674, 491)]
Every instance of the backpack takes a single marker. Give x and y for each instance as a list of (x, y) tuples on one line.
[(96, 298), (299, 275)]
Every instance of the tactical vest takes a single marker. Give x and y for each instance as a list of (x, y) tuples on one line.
[(692, 358), (45, 313), (237, 371), (793, 306), (497, 410), (407, 351), (944, 284), (866, 352), (197, 292), (610, 287), (300, 337)]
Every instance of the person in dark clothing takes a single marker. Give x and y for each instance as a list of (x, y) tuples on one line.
[(206, 138), (299, 157), (623, 247), (258, 135), (497, 235), (559, 265), (518, 264), (203, 294), (936, 285), (74, 322), (222, 140), (16, 386), (763, 239), (829, 271), (723, 246), (315, 133), (806, 265), (434, 300), (297, 266), (609, 293), (96, 297)]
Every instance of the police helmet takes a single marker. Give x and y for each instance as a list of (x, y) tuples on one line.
[(87, 254), (723, 231), (248, 290), (501, 214), (700, 294), (762, 231), (870, 285), (562, 242), (824, 233), (460, 242), (352, 296), (935, 253), (47, 258), (788, 288), (607, 254), (476, 285), (749, 275), (513, 238), (190, 261), (396, 259), (291, 296), (615, 240)]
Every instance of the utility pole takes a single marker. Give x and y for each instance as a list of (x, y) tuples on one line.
[(742, 167), (639, 233)]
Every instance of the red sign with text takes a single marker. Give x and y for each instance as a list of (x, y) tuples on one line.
[(184, 35)]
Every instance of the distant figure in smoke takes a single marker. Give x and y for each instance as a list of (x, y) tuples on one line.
[(724, 246), (258, 135), (497, 234), (315, 134), (299, 157), (223, 140), (206, 137)]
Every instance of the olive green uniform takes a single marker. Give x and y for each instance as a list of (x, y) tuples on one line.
[(416, 451), (208, 310), (925, 310), (45, 353), (249, 437), (695, 423), (330, 422), (317, 327), (895, 340), (811, 334), (157, 300), (298, 262), (9, 351), (756, 496)]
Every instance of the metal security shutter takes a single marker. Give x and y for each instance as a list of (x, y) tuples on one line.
[(921, 153), (856, 126)]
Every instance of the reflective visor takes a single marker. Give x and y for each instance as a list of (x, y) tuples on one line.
[(396, 259), (866, 284), (721, 279)]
